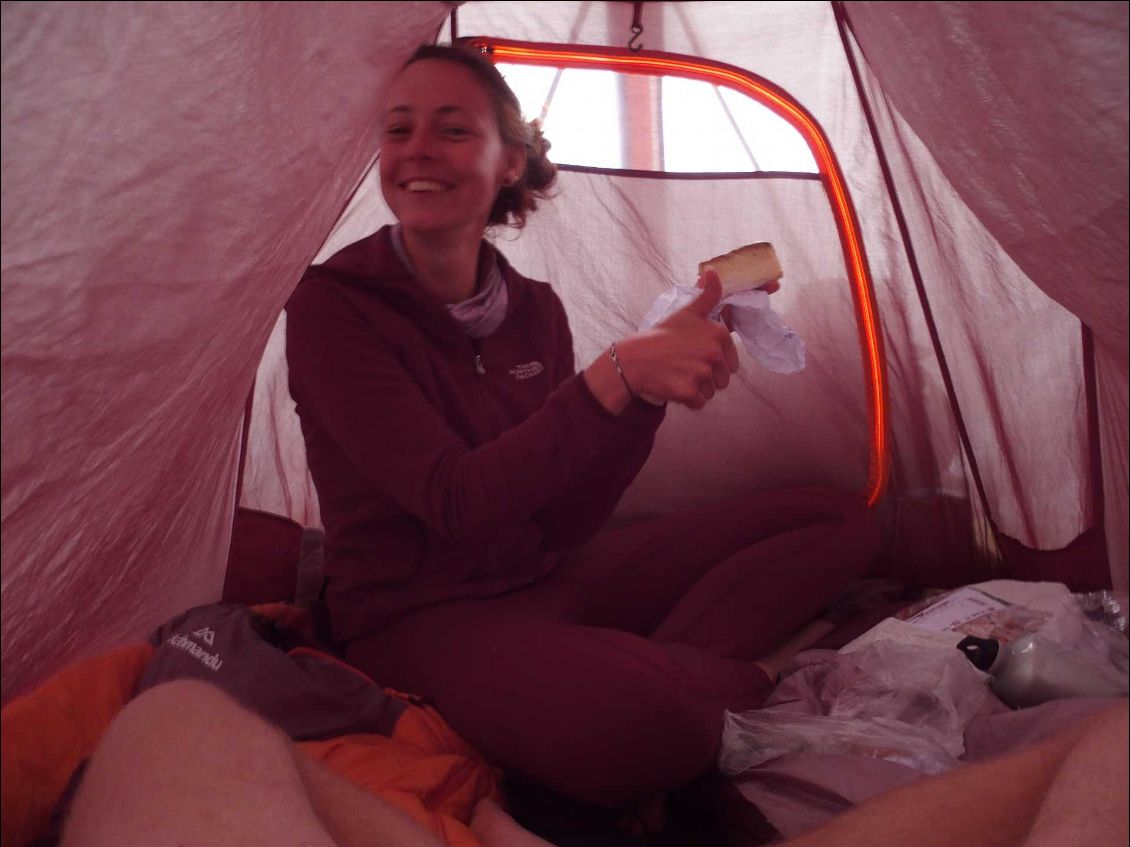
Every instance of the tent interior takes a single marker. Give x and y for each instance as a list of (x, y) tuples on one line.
[(170, 170)]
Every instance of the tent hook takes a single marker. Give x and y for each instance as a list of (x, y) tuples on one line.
[(637, 28)]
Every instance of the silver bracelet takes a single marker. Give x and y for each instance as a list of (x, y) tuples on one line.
[(620, 370)]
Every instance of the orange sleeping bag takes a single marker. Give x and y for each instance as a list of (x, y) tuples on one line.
[(421, 766)]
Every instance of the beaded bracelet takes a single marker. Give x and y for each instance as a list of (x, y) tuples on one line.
[(620, 370)]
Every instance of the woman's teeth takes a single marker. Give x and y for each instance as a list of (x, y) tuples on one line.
[(425, 185)]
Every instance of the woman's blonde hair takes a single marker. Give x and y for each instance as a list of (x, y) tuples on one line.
[(516, 201)]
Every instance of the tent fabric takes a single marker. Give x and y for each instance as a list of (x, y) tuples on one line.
[(169, 170), (1002, 381), (1025, 114)]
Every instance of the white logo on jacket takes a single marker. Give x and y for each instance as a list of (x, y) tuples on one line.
[(526, 371), (209, 660)]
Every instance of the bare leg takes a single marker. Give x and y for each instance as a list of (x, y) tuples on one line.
[(183, 764), (1071, 789), (1087, 802)]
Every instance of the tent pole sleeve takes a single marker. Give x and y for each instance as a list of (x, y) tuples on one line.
[(844, 26)]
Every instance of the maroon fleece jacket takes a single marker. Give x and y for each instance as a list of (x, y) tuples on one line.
[(437, 481)]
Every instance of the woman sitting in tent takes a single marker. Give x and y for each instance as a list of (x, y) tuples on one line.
[(465, 472)]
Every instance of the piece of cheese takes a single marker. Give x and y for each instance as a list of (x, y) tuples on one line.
[(747, 267)]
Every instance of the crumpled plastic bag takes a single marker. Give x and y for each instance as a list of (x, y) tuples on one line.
[(1105, 607), (766, 338), (1100, 632), (906, 703), (1095, 650), (751, 738)]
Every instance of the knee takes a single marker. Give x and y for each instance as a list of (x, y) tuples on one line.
[(181, 707), (190, 720), (824, 502), (849, 505), (855, 530), (849, 509), (182, 695)]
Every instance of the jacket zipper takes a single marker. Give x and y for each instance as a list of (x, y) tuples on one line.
[(480, 369)]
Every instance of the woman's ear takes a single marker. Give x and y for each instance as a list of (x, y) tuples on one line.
[(515, 165)]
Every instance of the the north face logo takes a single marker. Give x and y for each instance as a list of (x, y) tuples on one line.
[(529, 369), (208, 636)]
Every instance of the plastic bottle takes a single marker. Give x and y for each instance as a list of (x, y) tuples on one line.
[(1031, 670)]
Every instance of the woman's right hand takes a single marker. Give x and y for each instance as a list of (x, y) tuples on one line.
[(685, 359)]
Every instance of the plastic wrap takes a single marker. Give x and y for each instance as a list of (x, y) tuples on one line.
[(1105, 607), (906, 703), (764, 335)]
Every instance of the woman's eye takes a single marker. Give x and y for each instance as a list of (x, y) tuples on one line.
[(396, 130), (455, 131)]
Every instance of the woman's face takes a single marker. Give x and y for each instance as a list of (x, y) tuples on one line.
[(442, 160)]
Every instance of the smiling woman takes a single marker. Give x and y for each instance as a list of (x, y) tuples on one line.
[(466, 470)]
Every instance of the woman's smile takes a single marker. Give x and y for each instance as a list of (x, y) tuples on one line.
[(425, 186)]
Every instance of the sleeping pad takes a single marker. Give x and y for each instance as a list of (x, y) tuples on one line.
[(264, 657)]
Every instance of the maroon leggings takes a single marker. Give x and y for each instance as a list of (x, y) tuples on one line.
[(608, 680)]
